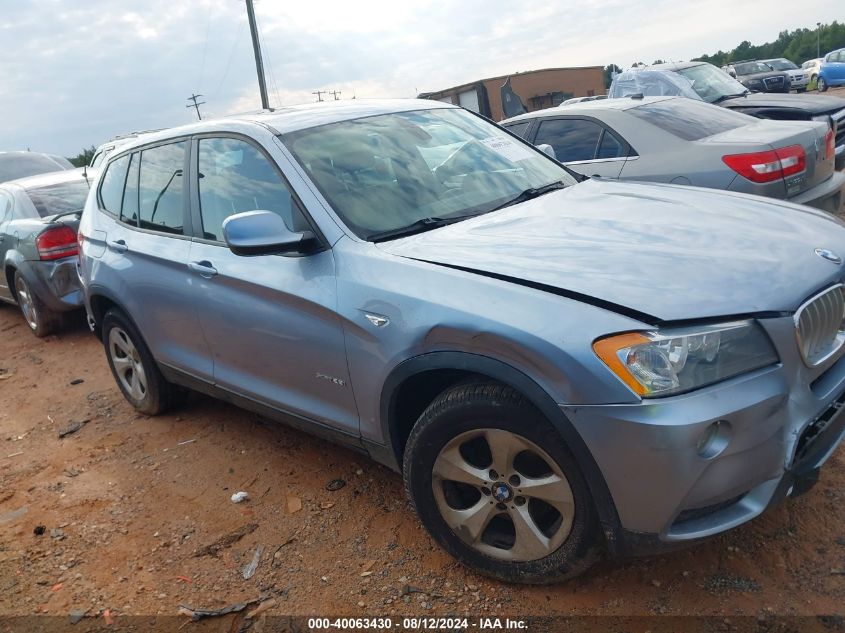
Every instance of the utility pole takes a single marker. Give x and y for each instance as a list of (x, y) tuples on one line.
[(196, 104), (335, 94), (319, 94), (818, 39), (256, 48)]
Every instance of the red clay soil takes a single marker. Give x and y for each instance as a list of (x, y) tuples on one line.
[(138, 519)]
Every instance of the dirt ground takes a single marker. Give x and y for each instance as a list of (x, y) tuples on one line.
[(128, 503)]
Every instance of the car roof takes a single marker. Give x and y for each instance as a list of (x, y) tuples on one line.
[(673, 66), (587, 107), (49, 178), (297, 117)]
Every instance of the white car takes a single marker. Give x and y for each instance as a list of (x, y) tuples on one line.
[(811, 68), (798, 77)]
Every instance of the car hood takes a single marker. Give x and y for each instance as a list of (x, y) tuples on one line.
[(656, 252), (814, 104)]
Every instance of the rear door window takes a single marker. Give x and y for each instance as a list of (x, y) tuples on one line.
[(689, 119), (572, 139), (160, 188)]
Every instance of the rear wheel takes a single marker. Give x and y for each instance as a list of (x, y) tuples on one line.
[(495, 485), (40, 319), (132, 365)]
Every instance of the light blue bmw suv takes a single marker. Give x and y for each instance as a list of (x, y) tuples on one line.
[(560, 367)]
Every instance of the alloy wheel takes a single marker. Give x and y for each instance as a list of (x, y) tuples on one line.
[(503, 495), (26, 303), (127, 363)]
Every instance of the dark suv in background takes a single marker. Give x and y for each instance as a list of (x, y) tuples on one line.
[(700, 80), (759, 76)]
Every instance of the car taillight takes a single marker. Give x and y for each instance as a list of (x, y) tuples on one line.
[(56, 242), (830, 144), (768, 166)]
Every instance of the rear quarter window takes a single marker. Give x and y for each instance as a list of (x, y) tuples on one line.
[(520, 129), (111, 187), (690, 120)]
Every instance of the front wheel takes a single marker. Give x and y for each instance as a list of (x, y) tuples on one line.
[(40, 319), (132, 365), (823, 85), (494, 484)]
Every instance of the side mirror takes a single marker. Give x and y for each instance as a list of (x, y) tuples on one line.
[(264, 233), (547, 149)]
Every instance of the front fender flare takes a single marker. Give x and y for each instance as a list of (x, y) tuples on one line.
[(504, 373)]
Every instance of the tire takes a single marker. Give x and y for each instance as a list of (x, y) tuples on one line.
[(499, 537), (41, 320), (799, 90), (823, 85), (135, 371)]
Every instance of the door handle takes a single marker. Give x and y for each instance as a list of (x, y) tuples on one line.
[(203, 268), (118, 246)]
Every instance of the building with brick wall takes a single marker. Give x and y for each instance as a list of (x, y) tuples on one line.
[(538, 89)]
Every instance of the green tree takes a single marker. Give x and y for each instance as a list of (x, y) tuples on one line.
[(83, 157), (797, 46), (608, 74)]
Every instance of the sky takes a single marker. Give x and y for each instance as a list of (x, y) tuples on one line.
[(75, 73)]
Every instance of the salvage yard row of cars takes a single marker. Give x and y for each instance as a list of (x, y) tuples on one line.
[(561, 366)]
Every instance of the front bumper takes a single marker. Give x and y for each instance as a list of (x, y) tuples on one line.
[(785, 421), (55, 282), (826, 196)]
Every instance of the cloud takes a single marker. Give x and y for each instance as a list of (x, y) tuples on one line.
[(77, 73)]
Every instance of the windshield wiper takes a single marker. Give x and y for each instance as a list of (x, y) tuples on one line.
[(420, 226), (531, 193), (726, 97)]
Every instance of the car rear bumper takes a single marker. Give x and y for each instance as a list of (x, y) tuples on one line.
[(783, 425), (55, 282), (827, 195)]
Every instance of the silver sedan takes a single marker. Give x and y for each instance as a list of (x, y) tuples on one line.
[(682, 141)]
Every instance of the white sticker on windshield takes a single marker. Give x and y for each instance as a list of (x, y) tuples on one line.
[(508, 148)]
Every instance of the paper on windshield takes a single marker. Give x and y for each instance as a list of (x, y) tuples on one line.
[(507, 148)]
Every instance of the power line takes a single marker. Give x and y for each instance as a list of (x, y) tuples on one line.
[(336, 94), (196, 104), (204, 50), (269, 58), (231, 57)]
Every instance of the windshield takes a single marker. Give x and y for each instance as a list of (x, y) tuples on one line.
[(58, 198), (710, 83), (386, 172), (752, 68), (781, 64)]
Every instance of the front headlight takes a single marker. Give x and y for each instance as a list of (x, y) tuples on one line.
[(666, 362)]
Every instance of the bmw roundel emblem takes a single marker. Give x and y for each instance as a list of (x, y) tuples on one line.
[(828, 255), (501, 492)]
